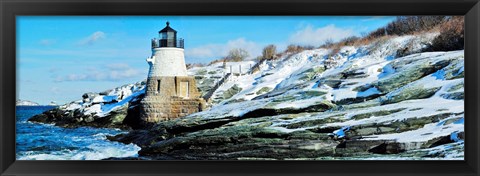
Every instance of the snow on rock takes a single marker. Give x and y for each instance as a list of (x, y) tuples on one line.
[(428, 132), (374, 86), (26, 103), (340, 133), (101, 104), (73, 106)]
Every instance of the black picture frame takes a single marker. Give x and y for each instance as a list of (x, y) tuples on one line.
[(9, 9)]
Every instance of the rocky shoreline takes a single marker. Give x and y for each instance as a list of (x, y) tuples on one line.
[(74, 119), (365, 107), (235, 138)]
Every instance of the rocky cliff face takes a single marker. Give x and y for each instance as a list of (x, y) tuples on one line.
[(368, 104)]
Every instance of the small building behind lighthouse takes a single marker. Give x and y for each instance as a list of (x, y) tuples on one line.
[(170, 92)]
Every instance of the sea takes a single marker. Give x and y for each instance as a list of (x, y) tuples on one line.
[(36, 141)]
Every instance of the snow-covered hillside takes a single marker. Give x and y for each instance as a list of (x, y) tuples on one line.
[(207, 77), (367, 100), (310, 66)]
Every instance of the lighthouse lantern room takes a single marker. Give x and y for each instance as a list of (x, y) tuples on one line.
[(167, 38)]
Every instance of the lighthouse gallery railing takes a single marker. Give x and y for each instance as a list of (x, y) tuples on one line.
[(157, 43)]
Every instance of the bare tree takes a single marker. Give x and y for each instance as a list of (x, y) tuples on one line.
[(237, 54), (328, 43), (269, 52)]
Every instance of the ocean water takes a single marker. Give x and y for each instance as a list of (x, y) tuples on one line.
[(35, 141)]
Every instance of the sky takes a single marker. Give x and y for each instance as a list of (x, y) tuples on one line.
[(59, 58)]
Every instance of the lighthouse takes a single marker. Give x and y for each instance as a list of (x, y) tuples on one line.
[(170, 92)]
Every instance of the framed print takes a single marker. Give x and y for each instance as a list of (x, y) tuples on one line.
[(235, 88)]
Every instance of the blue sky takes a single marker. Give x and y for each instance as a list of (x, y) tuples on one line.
[(60, 58)]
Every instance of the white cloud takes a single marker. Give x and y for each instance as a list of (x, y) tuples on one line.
[(124, 73), (92, 38), (317, 36), (210, 52), (111, 72), (71, 77)]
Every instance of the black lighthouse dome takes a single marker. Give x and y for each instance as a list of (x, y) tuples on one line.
[(168, 38), (167, 29)]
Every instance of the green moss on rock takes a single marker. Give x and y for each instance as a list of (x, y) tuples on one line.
[(263, 90), (229, 93), (409, 93)]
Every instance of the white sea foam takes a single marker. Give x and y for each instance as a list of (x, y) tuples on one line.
[(93, 152)]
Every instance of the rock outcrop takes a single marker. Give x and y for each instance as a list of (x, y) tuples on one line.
[(367, 104), (107, 109)]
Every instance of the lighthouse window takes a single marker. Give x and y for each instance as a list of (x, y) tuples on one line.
[(184, 89), (158, 86), (170, 35)]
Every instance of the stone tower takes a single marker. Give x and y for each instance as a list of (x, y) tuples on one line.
[(170, 92)]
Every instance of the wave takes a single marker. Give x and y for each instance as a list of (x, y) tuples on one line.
[(36, 141), (93, 152)]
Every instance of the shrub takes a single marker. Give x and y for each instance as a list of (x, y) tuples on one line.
[(410, 24), (377, 33), (399, 26), (328, 43), (363, 41), (269, 52), (190, 65), (406, 50), (349, 41), (236, 55), (335, 47), (450, 38), (308, 47), (377, 43), (430, 22), (294, 49), (335, 50), (451, 35), (216, 61)]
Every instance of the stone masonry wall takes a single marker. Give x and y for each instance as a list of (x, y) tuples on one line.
[(166, 104)]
